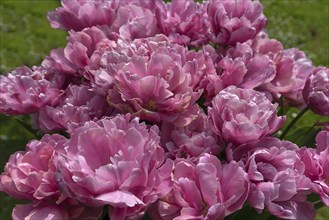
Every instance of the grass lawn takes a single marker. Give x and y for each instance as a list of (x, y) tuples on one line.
[(26, 37)]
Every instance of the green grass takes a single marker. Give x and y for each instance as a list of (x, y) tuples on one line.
[(26, 37), (302, 24)]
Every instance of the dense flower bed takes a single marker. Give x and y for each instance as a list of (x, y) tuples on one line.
[(166, 110)]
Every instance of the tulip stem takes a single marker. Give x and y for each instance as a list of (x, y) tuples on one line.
[(27, 126), (282, 110), (293, 122)]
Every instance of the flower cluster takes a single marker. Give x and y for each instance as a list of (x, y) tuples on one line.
[(168, 110)]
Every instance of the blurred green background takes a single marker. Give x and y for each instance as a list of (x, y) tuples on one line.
[(26, 37)]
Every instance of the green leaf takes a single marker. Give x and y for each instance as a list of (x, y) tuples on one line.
[(201, 102), (304, 136), (28, 127), (316, 200), (308, 119)]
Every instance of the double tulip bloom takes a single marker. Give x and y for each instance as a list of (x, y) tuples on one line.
[(316, 91), (243, 115)]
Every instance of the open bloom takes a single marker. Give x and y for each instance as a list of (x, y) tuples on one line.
[(277, 177), (206, 190), (25, 91), (235, 21), (151, 78), (117, 162), (316, 91), (243, 115)]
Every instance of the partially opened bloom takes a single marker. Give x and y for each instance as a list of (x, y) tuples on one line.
[(262, 44), (186, 22), (201, 66), (134, 20), (206, 190), (243, 115), (31, 174), (322, 140), (317, 165), (76, 106), (242, 67), (322, 185), (316, 91), (75, 56), (125, 19), (82, 44), (235, 21), (79, 14), (118, 162), (277, 177), (292, 70), (25, 91)]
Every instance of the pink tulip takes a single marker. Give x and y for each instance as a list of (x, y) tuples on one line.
[(79, 14), (186, 22), (127, 20), (151, 78), (206, 190), (292, 71), (192, 140), (76, 106), (243, 115), (25, 91), (75, 56), (262, 44), (133, 21), (277, 177), (241, 66), (235, 21), (317, 164), (31, 174), (118, 162), (316, 91)]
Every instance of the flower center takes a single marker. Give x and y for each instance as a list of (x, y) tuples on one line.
[(151, 105)]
